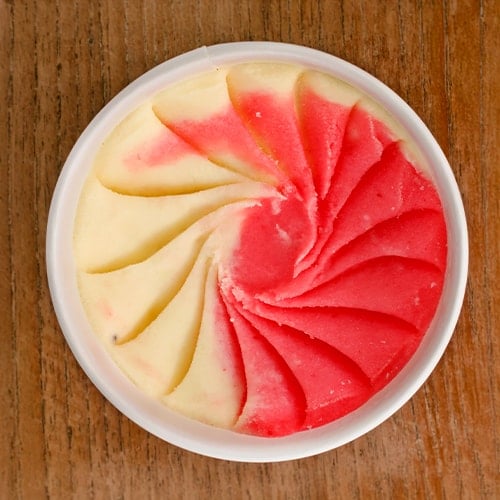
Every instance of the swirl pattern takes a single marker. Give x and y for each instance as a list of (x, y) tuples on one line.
[(256, 248)]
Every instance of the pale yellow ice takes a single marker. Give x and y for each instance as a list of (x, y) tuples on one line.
[(158, 358), (274, 78), (197, 99), (113, 230), (329, 88), (121, 303), (209, 392), (124, 163)]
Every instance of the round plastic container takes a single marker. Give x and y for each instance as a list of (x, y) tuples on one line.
[(151, 414)]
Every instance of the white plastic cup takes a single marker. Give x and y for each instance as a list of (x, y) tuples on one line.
[(156, 417)]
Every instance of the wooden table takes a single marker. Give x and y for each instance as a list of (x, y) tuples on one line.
[(60, 63)]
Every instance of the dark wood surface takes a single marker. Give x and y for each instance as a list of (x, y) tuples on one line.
[(60, 63)]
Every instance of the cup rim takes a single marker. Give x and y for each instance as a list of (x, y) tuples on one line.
[(153, 416)]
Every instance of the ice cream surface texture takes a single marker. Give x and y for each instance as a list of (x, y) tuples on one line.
[(260, 248)]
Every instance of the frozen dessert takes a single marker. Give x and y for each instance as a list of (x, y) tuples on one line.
[(260, 247)]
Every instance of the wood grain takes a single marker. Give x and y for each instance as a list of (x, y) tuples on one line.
[(60, 63)]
